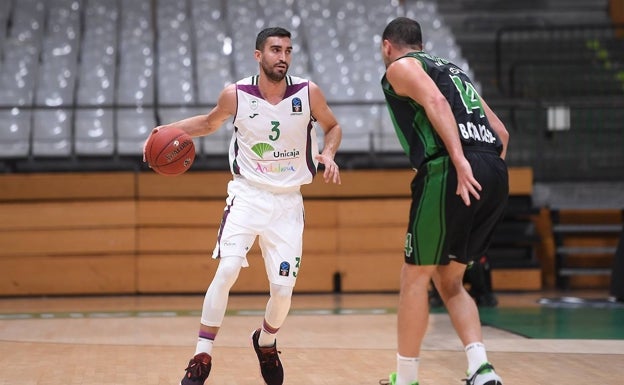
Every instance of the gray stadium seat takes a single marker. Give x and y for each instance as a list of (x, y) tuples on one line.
[(14, 133), (358, 124), (214, 49), (94, 132), (98, 53), (136, 56), (133, 127), (218, 143), (176, 83), (52, 133)]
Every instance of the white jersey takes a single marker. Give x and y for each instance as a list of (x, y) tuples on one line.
[(274, 145)]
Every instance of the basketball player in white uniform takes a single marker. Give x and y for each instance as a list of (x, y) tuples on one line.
[(272, 153)]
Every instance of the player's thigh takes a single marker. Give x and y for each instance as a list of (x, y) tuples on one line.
[(243, 217), (427, 235), (491, 208), (282, 246)]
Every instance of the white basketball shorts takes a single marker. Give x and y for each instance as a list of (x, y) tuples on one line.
[(275, 217)]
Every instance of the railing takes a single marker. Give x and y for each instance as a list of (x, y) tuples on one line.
[(597, 47), (585, 146), (566, 85), (375, 146)]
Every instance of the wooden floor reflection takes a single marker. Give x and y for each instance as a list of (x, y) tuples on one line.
[(328, 339)]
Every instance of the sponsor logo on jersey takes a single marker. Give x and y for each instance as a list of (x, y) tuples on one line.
[(275, 168), (268, 157), (292, 154), (253, 104), (261, 148)]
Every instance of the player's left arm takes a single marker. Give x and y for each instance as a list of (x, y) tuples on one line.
[(498, 126), (333, 133)]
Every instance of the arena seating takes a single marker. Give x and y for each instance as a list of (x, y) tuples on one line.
[(82, 82), (85, 79)]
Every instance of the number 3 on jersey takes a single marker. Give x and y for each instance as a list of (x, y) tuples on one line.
[(275, 131)]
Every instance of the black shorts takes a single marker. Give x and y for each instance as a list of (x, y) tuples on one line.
[(441, 227)]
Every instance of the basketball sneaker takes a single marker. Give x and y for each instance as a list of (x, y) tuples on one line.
[(270, 364), (392, 380), (197, 370), (485, 375)]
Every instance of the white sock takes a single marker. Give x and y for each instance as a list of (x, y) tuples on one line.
[(407, 370), (475, 352), (266, 338), (204, 345)]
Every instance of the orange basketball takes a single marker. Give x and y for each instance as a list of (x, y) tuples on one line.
[(170, 151)]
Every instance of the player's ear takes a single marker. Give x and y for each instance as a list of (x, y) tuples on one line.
[(257, 55), (386, 48)]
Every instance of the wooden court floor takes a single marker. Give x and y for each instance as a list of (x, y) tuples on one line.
[(346, 339)]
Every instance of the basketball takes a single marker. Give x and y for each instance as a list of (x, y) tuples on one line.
[(170, 152)]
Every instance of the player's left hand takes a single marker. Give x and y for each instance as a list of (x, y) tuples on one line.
[(332, 172)]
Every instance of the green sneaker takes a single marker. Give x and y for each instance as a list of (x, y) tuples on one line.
[(392, 380), (485, 375)]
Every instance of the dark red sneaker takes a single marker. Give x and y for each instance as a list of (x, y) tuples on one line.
[(197, 370), (270, 364)]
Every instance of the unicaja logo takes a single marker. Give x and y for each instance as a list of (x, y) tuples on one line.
[(261, 148)]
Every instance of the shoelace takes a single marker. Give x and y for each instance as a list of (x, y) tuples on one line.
[(269, 356), (195, 369)]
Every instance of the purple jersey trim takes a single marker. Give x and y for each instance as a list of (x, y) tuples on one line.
[(226, 212), (255, 90), (309, 154)]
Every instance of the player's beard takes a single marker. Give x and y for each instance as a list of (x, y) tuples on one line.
[(273, 74)]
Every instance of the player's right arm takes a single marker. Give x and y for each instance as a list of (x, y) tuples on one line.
[(201, 125), (408, 78)]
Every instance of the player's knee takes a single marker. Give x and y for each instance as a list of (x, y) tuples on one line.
[(228, 270), (281, 292), (449, 287)]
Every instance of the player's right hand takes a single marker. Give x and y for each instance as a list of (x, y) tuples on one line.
[(467, 185), (154, 130)]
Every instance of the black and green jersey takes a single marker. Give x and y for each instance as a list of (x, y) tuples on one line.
[(416, 133)]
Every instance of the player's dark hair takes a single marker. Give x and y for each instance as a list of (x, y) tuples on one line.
[(270, 32), (404, 32)]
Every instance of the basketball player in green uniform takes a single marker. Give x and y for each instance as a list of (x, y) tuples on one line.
[(457, 145)]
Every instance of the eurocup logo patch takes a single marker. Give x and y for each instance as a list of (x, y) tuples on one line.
[(296, 105), (284, 269)]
